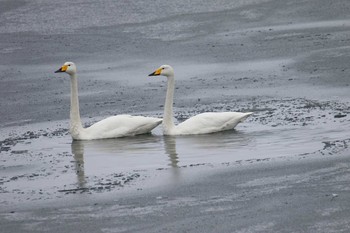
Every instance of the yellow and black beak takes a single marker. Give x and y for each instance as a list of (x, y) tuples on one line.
[(156, 73), (62, 69)]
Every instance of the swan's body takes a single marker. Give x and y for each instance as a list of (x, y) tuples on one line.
[(111, 127), (203, 123)]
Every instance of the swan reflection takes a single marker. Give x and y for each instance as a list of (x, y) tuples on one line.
[(113, 155), (147, 152), (170, 150), (201, 148), (78, 153)]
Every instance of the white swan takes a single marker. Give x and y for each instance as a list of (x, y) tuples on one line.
[(111, 127), (203, 123)]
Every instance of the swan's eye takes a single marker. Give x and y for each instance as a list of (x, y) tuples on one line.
[(163, 68), (69, 65)]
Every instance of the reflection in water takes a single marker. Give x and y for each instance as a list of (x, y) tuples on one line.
[(207, 148), (170, 150), (144, 152), (226, 140), (78, 152), (113, 155), (126, 145)]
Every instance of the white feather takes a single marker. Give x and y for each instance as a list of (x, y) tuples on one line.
[(204, 123), (111, 127)]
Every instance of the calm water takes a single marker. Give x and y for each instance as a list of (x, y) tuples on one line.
[(56, 163), (54, 17)]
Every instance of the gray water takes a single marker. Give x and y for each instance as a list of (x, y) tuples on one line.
[(56, 17), (228, 56)]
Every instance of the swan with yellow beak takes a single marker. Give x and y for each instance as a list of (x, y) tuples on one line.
[(204, 123), (111, 127)]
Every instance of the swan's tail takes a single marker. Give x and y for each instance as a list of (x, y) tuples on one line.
[(245, 116)]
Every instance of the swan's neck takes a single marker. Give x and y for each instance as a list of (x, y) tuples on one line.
[(75, 121), (168, 122)]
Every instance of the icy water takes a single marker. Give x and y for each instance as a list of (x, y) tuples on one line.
[(46, 165), (292, 72), (54, 17)]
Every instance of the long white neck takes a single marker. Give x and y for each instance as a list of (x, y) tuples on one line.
[(168, 122), (75, 121)]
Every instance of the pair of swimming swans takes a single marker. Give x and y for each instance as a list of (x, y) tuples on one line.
[(127, 125)]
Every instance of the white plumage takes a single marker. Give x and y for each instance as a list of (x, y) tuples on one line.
[(203, 123), (111, 127)]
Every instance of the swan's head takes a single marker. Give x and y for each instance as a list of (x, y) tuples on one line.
[(164, 70), (68, 67)]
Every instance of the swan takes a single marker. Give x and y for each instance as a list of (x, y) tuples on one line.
[(209, 122), (111, 127)]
